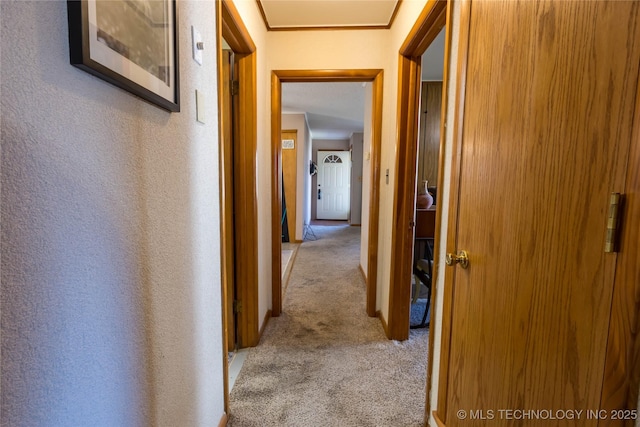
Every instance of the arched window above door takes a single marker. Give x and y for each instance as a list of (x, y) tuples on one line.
[(332, 158)]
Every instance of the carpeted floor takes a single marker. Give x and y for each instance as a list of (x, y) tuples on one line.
[(324, 362)]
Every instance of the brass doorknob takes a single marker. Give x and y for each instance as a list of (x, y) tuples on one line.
[(462, 258)]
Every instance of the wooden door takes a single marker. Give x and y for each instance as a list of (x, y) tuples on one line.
[(290, 177), (334, 185), (548, 115)]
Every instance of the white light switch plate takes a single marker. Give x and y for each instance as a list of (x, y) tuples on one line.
[(196, 38)]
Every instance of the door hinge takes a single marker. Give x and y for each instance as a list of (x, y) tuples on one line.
[(237, 306), (235, 87), (611, 242)]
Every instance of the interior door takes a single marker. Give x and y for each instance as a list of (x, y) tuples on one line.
[(334, 185), (290, 177), (548, 114)]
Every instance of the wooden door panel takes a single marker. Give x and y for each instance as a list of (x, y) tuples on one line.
[(290, 177), (547, 126)]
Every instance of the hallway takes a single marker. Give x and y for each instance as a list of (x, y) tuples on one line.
[(323, 361)]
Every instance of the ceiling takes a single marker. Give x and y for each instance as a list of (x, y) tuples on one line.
[(314, 14), (334, 110)]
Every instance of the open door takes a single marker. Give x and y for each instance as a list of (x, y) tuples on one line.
[(545, 137), (290, 181)]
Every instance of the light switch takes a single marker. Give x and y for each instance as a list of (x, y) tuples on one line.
[(199, 106), (198, 45)]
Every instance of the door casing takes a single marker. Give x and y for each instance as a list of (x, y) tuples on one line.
[(290, 76), (229, 26)]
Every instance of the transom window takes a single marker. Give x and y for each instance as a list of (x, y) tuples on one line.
[(332, 158)]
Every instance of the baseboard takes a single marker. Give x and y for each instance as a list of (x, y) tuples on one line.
[(384, 323), (364, 275), (287, 273), (437, 419), (267, 316), (224, 420)]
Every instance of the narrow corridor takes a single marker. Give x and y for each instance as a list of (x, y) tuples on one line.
[(324, 361)]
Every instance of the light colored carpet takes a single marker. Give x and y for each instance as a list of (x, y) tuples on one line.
[(324, 362)]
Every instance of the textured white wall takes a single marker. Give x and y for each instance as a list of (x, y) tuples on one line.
[(110, 237)]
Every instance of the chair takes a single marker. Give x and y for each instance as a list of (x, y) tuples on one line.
[(423, 259)]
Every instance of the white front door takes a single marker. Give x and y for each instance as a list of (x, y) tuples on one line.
[(334, 185)]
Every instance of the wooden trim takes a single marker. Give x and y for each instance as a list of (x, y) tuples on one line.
[(245, 156), (264, 15), (404, 197), (246, 203), (437, 419), (276, 196), (234, 31), (456, 166), (439, 201), (394, 14), (622, 365), (289, 268), (311, 76), (432, 19), (356, 75), (225, 235), (426, 29), (374, 202), (223, 420), (331, 28)]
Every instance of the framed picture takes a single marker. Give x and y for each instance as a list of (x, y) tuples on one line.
[(132, 44)]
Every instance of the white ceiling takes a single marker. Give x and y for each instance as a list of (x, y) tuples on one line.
[(289, 14), (334, 110)]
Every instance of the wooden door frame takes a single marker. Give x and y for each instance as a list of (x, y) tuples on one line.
[(289, 76), (425, 30), (621, 380), (434, 16), (230, 26)]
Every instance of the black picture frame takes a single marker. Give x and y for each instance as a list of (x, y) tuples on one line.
[(131, 44)]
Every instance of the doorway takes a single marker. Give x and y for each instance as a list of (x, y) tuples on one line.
[(291, 76), (238, 200)]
